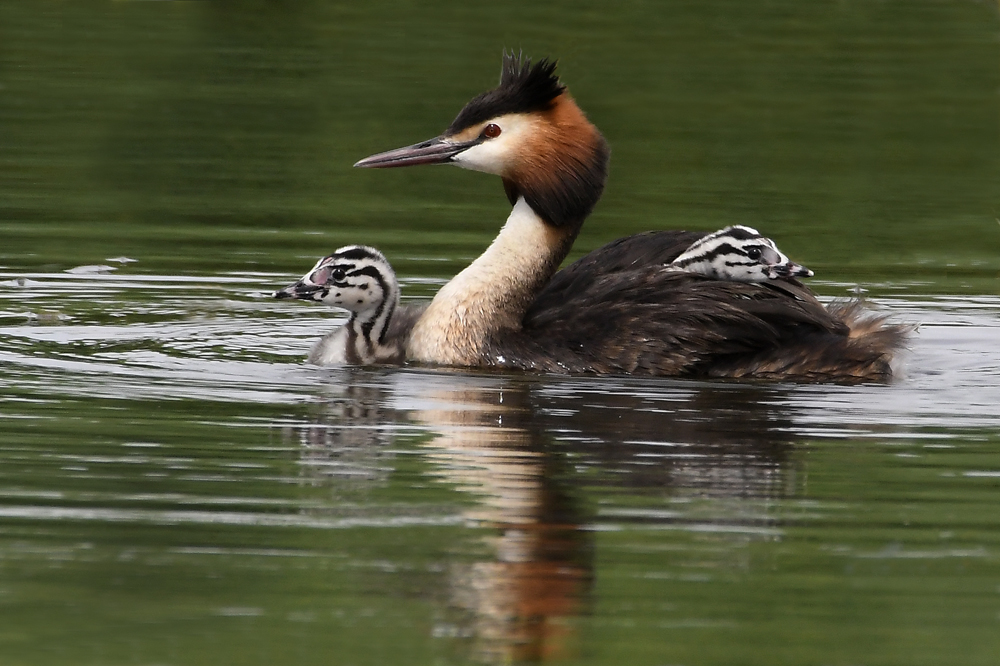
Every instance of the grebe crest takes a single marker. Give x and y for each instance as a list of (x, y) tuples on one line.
[(360, 280), (738, 253)]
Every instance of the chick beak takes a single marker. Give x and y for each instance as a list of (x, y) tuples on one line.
[(787, 270), (301, 290)]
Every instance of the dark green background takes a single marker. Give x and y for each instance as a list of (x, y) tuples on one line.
[(862, 135)]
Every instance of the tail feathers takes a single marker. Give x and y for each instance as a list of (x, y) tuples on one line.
[(866, 354), (870, 328)]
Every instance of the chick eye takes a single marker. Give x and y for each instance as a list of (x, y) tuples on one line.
[(492, 131), (338, 274), (754, 253)]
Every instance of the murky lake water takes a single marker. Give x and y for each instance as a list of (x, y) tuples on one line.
[(177, 487)]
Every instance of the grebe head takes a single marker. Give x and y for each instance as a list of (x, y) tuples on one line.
[(529, 131), (355, 277), (738, 253)]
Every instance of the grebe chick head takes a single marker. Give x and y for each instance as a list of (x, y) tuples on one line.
[(356, 278), (360, 280), (529, 131), (738, 253)]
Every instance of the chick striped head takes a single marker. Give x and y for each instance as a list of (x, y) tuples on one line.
[(355, 277), (738, 253)]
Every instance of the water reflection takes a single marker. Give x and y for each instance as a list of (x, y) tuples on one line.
[(519, 604), (710, 440), (348, 440), (525, 448)]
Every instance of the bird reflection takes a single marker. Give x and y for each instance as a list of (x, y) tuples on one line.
[(522, 446), (347, 440), (520, 604), (696, 439)]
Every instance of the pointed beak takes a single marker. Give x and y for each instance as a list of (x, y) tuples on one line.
[(438, 150), (788, 269), (301, 289)]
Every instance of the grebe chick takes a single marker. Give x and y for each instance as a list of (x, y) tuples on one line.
[(616, 310), (738, 253), (360, 280)]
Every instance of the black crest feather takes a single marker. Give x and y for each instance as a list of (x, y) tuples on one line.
[(523, 88)]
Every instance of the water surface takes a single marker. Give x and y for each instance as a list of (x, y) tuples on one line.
[(177, 487)]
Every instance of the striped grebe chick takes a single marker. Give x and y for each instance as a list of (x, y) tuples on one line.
[(618, 309), (360, 280), (738, 253)]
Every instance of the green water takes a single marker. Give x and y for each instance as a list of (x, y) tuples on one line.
[(177, 487)]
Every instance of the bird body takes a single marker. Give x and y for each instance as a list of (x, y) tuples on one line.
[(626, 307), (659, 321)]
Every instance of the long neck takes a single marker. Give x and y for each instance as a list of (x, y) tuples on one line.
[(367, 329), (493, 293)]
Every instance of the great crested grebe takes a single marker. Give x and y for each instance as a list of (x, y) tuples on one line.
[(360, 280), (619, 309)]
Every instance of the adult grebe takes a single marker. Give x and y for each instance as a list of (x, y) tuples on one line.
[(618, 309), (360, 280)]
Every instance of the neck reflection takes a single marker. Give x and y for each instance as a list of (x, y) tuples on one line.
[(521, 603)]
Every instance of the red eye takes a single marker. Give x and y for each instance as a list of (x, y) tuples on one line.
[(491, 131)]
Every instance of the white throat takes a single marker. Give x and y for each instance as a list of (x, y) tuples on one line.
[(492, 293)]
